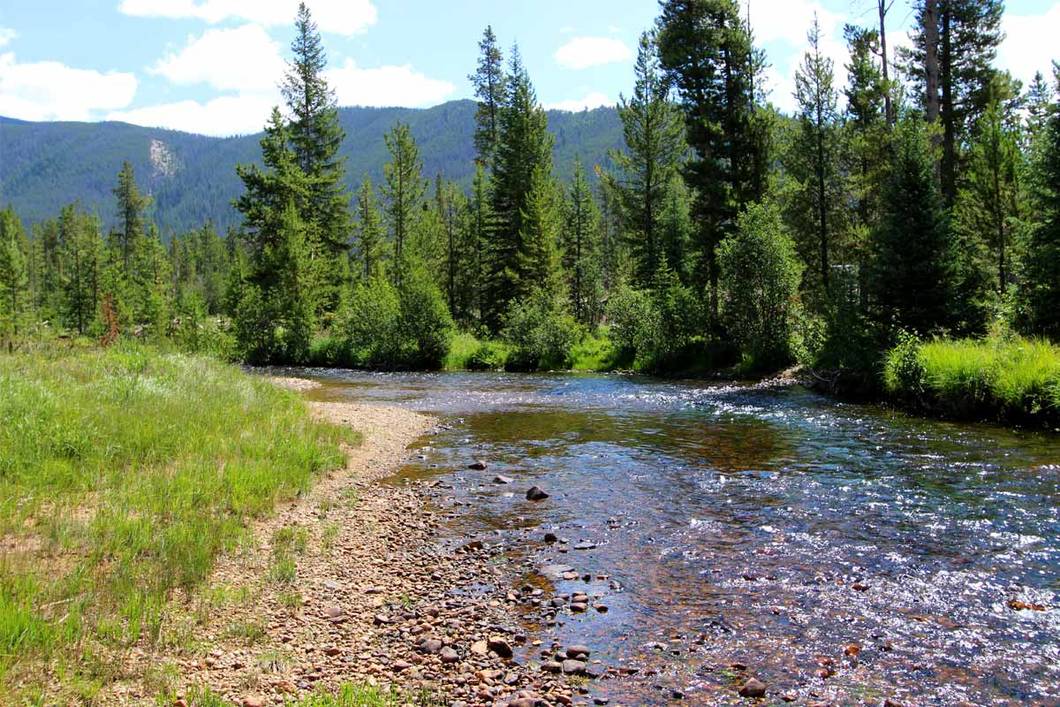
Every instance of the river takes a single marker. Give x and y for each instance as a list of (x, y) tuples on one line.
[(837, 552)]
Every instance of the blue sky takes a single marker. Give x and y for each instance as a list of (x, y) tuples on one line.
[(211, 66)]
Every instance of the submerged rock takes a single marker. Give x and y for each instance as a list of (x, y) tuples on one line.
[(535, 494)]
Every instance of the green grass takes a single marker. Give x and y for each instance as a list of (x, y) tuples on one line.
[(468, 353), (348, 695), (123, 474), (1004, 379), (594, 352)]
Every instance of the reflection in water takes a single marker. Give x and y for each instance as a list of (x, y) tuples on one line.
[(834, 550)]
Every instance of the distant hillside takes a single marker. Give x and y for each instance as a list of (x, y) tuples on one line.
[(192, 177)]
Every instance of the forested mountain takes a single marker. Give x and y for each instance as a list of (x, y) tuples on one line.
[(192, 178)]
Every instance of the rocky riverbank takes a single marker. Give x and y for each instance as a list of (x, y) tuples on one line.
[(351, 585)]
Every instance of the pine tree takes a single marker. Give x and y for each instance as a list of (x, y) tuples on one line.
[(1039, 100), (537, 264), (371, 241), (865, 138), (316, 136), (131, 211), (403, 191), (655, 145), (274, 317), (523, 151), (149, 283), (45, 265), (706, 51), (956, 42), (449, 204), (14, 277), (1042, 267), (581, 256), (813, 163), (676, 228), (82, 256), (913, 266), (989, 201), (478, 227), (489, 82)]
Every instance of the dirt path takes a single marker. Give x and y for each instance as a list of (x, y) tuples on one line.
[(348, 584)]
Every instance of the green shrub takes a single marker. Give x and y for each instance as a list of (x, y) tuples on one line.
[(425, 325), (631, 319), (760, 274), (541, 334), (370, 324), (489, 356), (903, 371)]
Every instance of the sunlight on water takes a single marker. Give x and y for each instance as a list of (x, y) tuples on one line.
[(763, 527)]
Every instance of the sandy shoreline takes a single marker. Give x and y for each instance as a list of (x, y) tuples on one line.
[(374, 598)]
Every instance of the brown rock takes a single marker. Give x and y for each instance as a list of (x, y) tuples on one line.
[(535, 494), (500, 646), (753, 688)]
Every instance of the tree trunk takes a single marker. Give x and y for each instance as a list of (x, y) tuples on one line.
[(931, 60), (888, 108)]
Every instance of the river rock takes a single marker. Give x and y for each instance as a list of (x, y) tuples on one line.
[(573, 667), (578, 652), (477, 465), (500, 646), (585, 546), (551, 538), (535, 494), (448, 655), (500, 479), (480, 647), (753, 688), (552, 666)]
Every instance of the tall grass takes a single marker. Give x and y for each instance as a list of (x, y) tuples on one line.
[(123, 474), (1008, 379)]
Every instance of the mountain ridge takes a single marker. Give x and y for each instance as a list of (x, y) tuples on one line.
[(192, 179)]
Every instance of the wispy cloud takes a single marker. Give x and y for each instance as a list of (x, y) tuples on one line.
[(584, 52), (346, 17), (50, 90), (589, 101)]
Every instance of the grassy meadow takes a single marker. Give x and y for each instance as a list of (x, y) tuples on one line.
[(123, 474)]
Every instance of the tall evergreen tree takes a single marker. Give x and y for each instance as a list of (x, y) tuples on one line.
[(705, 48), (316, 137), (1042, 267), (274, 318), (370, 248), (82, 255), (14, 277), (537, 266), (655, 146), (489, 82), (478, 228), (524, 150), (956, 43), (913, 265), (449, 205), (813, 163), (132, 206), (581, 256), (403, 191), (989, 200)]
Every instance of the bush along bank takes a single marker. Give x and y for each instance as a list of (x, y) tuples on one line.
[(1007, 380)]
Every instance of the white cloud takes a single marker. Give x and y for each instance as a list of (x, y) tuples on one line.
[(6, 35), (386, 86), (583, 52), (345, 17), (238, 59), (222, 116), (782, 28), (1030, 43), (587, 102), (49, 90)]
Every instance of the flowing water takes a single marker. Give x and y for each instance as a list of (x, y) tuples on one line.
[(838, 552)]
